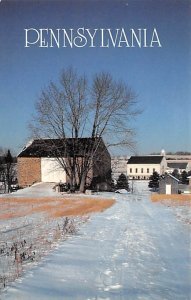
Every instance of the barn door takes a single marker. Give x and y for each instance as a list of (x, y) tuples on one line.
[(168, 189)]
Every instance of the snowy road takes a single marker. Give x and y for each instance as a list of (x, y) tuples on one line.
[(134, 250)]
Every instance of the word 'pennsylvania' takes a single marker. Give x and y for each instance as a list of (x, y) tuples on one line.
[(85, 37)]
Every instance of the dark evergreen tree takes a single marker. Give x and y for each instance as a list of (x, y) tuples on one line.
[(184, 178), (122, 182), (154, 180), (176, 174), (8, 170)]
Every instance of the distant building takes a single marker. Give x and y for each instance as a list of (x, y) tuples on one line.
[(142, 167), (168, 184), (178, 157), (38, 162), (177, 165)]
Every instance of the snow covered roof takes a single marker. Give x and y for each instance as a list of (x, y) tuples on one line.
[(173, 177), (169, 175), (152, 159)]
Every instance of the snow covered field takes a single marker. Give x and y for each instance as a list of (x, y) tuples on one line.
[(134, 250)]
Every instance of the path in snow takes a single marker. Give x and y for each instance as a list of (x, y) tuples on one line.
[(134, 250)]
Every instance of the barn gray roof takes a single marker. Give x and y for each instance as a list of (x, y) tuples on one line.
[(145, 159), (60, 147)]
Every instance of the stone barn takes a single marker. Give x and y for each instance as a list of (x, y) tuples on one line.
[(168, 184), (38, 161)]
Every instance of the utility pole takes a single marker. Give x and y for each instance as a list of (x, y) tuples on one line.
[(132, 186)]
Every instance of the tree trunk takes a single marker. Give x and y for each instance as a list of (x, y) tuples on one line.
[(82, 183)]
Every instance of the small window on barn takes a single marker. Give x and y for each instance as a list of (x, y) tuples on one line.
[(147, 170), (136, 170), (130, 170), (141, 170)]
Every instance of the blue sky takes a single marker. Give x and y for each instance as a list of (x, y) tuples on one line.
[(160, 76)]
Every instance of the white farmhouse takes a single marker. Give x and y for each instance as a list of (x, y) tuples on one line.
[(142, 167)]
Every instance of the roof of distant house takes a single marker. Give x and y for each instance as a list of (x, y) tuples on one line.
[(145, 159), (60, 147), (163, 177), (177, 165)]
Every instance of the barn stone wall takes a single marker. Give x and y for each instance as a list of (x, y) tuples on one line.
[(29, 170)]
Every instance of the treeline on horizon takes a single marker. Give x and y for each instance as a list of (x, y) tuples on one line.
[(173, 153)]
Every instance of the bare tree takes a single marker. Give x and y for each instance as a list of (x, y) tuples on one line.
[(102, 108), (7, 170)]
